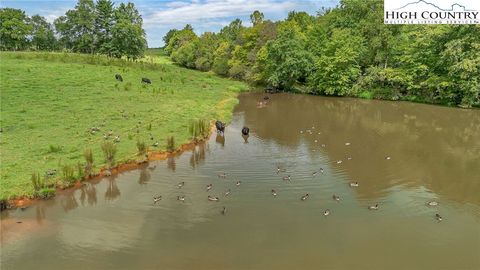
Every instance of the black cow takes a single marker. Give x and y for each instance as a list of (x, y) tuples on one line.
[(245, 131), (118, 77), (146, 80), (220, 126)]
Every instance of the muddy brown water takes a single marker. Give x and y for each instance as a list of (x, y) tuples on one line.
[(434, 156)]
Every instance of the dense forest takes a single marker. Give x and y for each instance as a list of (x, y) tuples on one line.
[(91, 27), (343, 51)]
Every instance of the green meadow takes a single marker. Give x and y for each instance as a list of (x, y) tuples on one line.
[(51, 101)]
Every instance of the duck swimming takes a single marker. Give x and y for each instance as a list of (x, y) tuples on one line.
[(156, 199), (336, 198), (213, 199), (209, 186), (326, 213), (353, 184), (304, 197), (314, 173), (238, 183), (280, 170), (222, 175), (388, 158), (373, 207), (224, 211), (287, 178), (321, 170), (438, 217), (274, 193), (432, 203), (181, 198), (339, 162), (227, 193), (181, 184)]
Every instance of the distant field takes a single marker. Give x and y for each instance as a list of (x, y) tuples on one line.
[(49, 102)]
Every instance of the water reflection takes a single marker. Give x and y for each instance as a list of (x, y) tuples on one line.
[(198, 155), (220, 139), (430, 146), (171, 163), (144, 176), (68, 201), (434, 156), (112, 191)]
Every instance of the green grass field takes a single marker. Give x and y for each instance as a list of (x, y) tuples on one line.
[(50, 101)]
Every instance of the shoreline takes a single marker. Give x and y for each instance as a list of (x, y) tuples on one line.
[(24, 201)]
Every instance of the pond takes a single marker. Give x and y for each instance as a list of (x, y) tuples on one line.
[(403, 155)]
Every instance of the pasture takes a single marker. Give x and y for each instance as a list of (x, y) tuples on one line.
[(51, 101)]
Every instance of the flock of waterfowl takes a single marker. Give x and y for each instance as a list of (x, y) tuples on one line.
[(221, 128)]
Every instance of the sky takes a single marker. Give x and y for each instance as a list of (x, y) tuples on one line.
[(203, 15)]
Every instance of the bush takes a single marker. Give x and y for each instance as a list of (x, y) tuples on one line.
[(199, 128), (141, 147), (89, 165), (37, 181), (171, 144), (46, 193), (109, 150), (68, 173)]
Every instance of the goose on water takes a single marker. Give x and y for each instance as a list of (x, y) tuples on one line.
[(156, 199), (213, 199)]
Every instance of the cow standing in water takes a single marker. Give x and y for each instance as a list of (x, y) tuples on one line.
[(118, 77), (220, 127), (146, 80)]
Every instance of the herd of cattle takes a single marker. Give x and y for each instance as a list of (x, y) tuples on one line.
[(119, 78)]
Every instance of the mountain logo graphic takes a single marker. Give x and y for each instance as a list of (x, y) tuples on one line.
[(452, 7)]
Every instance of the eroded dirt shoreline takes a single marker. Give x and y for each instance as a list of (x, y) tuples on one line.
[(123, 167)]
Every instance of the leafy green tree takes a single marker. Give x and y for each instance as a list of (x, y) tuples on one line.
[(104, 23), (256, 17), (43, 35), (14, 29), (337, 68), (83, 23), (128, 40), (221, 56), (179, 38), (169, 35), (287, 61)]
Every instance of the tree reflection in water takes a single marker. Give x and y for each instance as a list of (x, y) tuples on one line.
[(112, 191), (144, 176), (171, 163), (198, 155)]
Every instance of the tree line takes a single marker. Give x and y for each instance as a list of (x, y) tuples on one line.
[(343, 51), (91, 27)]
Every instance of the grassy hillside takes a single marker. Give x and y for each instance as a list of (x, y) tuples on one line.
[(50, 102)]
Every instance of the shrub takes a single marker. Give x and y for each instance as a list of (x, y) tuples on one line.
[(141, 147), (199, 128), (37, 181), (46, 193), (54, 148), (89, 162), (68, 173), (109, 150), (170, 144)]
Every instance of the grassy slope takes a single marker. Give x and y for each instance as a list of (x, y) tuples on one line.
[(55, 102)]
